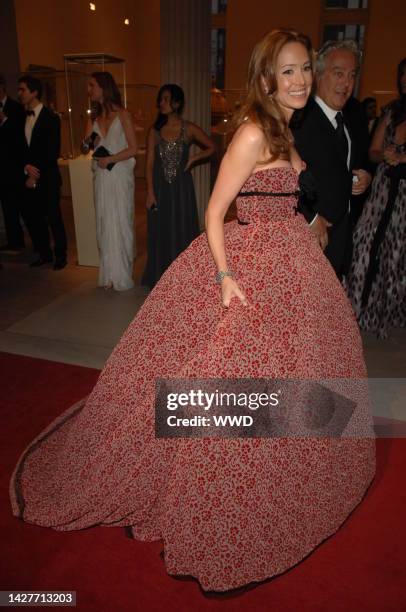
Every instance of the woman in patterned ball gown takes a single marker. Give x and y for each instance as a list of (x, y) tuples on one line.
[(377, 277), (172, 218), (229, 511)]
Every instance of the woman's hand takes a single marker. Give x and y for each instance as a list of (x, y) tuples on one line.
[(32, 171), (229, 290), (31, 182), (390, 156), (103, 162), (192, 159), (151, 200), (89, 143), (319, 227)]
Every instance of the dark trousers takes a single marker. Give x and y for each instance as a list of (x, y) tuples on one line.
[(339, 248), (41, 211), (10, 197)]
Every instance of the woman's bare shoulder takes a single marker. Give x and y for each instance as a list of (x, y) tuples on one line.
[(249, 132)]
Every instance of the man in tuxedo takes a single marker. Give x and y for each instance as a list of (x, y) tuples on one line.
[(41, 176), (328, 141), (12, 119)]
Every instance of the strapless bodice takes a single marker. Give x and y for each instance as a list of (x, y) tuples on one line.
[(268, 195)]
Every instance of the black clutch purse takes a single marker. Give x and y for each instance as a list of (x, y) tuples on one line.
[(103, 152)]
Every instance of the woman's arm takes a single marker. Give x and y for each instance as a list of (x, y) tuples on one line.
[(85, 144), (197, 135), (237, 165), (392, 155), (149, 168), (376, 148)]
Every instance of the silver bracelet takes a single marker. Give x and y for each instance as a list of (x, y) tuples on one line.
[(222, 274)]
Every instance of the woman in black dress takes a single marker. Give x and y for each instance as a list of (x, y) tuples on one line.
[(173, 221)]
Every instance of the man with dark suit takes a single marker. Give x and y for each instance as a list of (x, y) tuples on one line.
[(12, 119), (326, 139), (41, 176)]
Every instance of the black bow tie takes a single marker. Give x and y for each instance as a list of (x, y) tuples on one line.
[(30, 113)]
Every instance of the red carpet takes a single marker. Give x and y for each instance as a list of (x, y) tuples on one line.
[(362, 567)]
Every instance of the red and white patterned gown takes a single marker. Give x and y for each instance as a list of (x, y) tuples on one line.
[(229, 511)]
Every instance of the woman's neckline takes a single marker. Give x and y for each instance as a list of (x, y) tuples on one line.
[(177, 137), (109, 128)]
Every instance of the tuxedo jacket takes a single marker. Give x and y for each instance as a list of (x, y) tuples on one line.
[(10, 140), (317, 144), (44, 148)]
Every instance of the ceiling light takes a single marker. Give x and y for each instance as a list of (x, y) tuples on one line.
[(92, 6), (127, 21)]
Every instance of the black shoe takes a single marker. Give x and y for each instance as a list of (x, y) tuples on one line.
[(41, 261), (60, 264)]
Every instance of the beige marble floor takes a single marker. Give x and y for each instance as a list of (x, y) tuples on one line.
[(63, 316)]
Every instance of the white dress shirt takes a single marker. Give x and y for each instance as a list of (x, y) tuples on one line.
[(30, 121)]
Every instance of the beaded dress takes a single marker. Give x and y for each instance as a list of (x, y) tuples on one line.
[(174, 223)]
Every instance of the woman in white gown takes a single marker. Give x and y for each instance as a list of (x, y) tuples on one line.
[(111, 131)]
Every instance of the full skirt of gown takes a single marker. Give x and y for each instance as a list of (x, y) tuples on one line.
[(229, 511)]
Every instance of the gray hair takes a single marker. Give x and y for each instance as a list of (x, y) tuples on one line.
[(333, 45)]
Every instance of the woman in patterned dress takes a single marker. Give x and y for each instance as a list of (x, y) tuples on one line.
[(377, 277), (229, 511), (172, 218)]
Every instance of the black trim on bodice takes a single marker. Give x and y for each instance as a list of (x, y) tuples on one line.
[(275, 194)]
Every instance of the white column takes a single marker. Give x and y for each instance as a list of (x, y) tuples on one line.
[(185, 60)]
